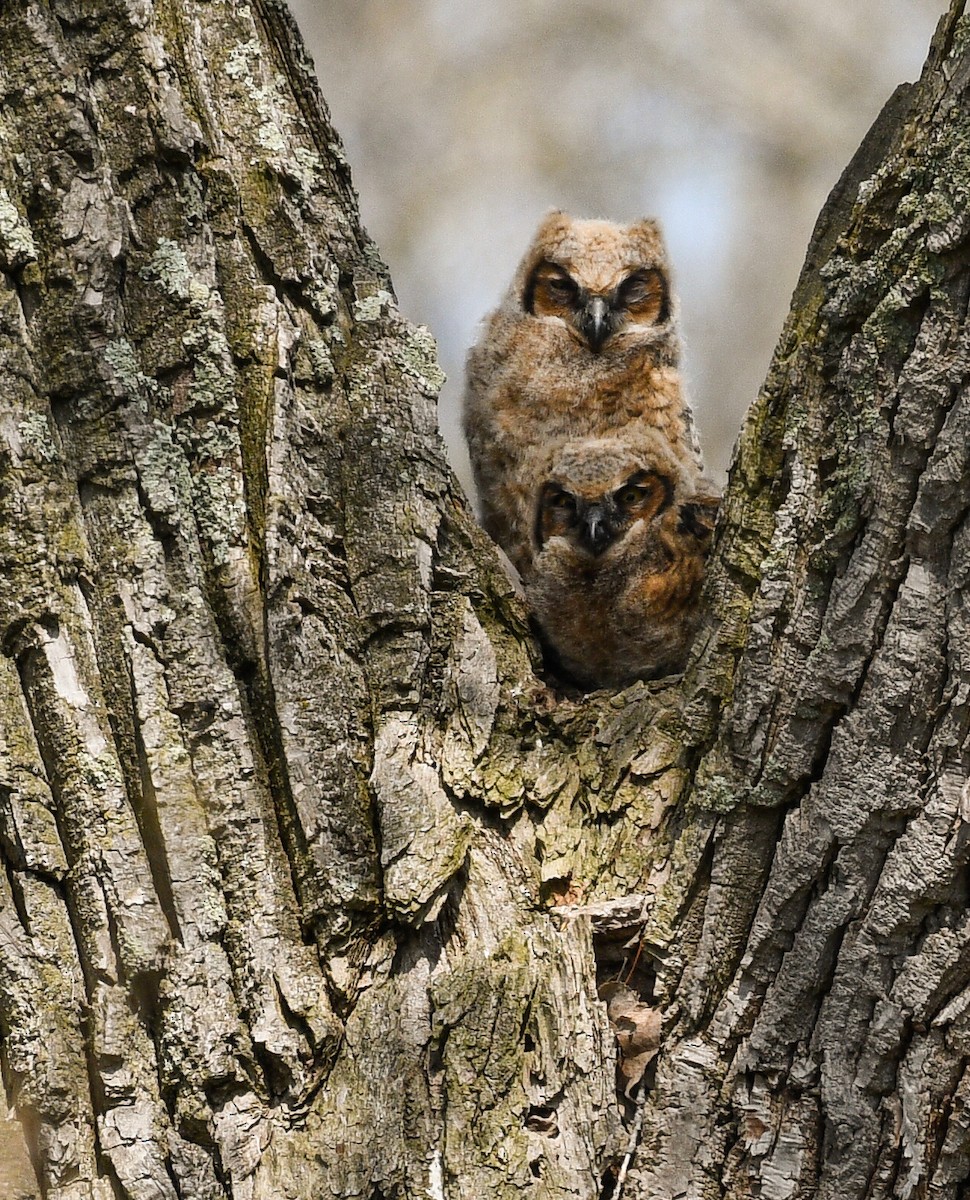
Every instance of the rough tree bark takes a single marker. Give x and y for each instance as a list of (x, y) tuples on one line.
[(309, 875)]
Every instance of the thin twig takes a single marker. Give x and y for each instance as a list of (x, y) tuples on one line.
[(636, 959), (642, 921), (631, 1146)]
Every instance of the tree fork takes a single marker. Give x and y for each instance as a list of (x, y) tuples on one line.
[(304, 862)]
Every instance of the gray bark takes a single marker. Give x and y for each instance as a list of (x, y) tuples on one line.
[(818, 1009), (307, 870)]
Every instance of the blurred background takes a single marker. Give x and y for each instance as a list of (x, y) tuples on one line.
[(730, 120)]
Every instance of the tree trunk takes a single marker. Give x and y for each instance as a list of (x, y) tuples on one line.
[(310, 877)]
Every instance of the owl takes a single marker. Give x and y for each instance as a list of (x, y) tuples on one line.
[(621, 534), (584, 344)]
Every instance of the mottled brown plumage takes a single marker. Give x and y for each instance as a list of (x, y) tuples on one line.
[(584, 344), (621, 535)]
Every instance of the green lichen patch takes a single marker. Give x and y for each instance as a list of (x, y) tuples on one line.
[(419, 355), (17, 247), (373, 307), (169, 267)]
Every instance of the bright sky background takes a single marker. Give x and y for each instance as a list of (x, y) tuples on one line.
[(730, 120)]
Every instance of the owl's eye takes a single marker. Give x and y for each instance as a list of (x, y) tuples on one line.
[(644, 494), (644, 294), (561, 287), (550, 291), (556, 514), (561, 501), (635, 289), (630, 495)]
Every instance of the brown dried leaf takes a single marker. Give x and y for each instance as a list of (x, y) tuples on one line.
[(637, 1029)]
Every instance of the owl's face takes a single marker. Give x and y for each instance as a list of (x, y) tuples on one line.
[(593, 519), (600, 280)]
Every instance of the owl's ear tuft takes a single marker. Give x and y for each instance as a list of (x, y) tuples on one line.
[(553, 227), (648, 227), (555, 218), (646, 233)]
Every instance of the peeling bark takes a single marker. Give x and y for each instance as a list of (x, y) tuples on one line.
[(310, 877)]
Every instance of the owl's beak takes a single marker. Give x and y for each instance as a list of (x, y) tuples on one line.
[(595, 323), (594, 531)]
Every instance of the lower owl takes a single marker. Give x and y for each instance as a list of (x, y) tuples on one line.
[(621, 537)]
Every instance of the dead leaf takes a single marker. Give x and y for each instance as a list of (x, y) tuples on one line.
[(637, 1029)]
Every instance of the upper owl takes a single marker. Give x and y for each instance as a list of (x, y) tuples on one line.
[(584, 343)]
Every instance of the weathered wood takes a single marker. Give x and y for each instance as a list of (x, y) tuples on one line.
[(259, 931), (310, 877)]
